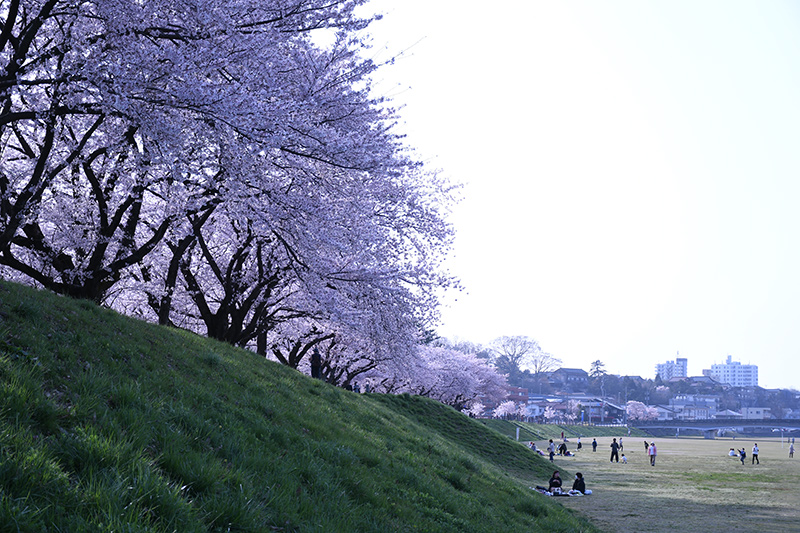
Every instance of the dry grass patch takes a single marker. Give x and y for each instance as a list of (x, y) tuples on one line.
[(694, 486)]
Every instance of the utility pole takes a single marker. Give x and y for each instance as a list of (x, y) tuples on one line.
[(603, 399)]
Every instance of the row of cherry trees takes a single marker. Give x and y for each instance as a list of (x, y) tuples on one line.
[(205, 164)]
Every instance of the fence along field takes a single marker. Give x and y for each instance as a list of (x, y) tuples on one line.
[(695, 486)]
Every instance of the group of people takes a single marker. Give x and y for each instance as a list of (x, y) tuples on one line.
[(616, 450), (579, 484), (617, 447), (552, 449), (555, 486), (743, 454)]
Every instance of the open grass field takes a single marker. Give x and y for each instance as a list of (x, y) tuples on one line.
[(694, 486)]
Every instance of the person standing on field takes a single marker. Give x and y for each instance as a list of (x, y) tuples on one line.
[(614, 450), (651, 451), (791, 450), (594, 445), (754, 460)]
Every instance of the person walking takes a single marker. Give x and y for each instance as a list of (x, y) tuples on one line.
[(791, 450), (620, 444), (652, 452), (614, 450), (754, 460), (551, 449), (646, 446), (594, 445)]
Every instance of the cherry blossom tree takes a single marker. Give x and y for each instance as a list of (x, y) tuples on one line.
[(449, 376), (506, 409), (551, 414), (85, 90), (573, 410), (639, 411), (207, 165), (475, 409)]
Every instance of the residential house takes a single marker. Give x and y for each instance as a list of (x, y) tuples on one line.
[(570, 379), (694, 406), (756, 413), (665, 412)]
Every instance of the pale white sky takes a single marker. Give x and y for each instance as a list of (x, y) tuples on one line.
[(631, 172)]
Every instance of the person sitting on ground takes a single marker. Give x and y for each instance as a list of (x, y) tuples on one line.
[(555, 482), (579, 484), (732, 453), (562, 449)]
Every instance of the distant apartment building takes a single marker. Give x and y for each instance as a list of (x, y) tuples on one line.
[(734, 373), (673, 369)]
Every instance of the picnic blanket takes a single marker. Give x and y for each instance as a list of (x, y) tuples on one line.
[(546, 492)]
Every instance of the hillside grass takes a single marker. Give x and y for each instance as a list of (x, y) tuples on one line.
[(112, 424)]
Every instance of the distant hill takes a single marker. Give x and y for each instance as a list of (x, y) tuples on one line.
[(113, 424)]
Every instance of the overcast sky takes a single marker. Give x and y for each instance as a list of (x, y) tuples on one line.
[(631, 173)]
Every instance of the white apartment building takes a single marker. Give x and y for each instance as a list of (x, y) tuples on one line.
[(673, 369), (734, 373)]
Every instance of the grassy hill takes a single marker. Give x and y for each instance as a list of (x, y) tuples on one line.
[(113, 424)]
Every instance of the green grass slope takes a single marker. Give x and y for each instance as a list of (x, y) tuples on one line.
[(113, 424)]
